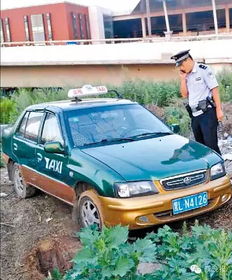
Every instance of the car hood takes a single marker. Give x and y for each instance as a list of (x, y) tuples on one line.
[(154, 158)]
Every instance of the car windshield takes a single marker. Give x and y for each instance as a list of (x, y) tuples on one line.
[(113, 123)]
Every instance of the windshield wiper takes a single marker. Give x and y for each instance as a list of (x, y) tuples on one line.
[(110, 141), (117, 139), (158, 133)]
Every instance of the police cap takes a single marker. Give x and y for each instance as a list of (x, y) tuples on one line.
[(180, 57)]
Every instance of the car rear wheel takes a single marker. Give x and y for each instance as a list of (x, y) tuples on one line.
[(22, 189), (88, 211)]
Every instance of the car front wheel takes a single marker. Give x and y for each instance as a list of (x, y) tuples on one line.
[(22, 189), (89, 210)]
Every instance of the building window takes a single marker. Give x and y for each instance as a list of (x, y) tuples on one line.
[(49, 25), (200, 21), (231, 18), (87, 27), (81, 24), (127, 28), (37, 27), (7, 29), (221, 18), (1, 30), (74, 25), (108, 26), (26, 28), (158, 25), (175, 22)]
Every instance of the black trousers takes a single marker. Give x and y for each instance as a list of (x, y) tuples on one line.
[(205, 129)]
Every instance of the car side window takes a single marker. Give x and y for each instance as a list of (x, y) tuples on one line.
[(33, 125), (22, 126), (51, 130)]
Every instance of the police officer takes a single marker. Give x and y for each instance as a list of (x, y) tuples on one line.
[(199, 85)]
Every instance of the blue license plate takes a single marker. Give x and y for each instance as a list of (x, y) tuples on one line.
[(190, 202)]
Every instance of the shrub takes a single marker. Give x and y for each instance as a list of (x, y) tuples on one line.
[(176, 113), (12, 107), (26, 96), (202, 254), (145, 92), (225, 85), (7, 108), (108, 255)]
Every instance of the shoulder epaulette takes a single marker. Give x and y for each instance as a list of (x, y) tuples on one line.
[(202, 66)]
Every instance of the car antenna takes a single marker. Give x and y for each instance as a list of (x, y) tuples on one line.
[(119, 95), (76, 99)]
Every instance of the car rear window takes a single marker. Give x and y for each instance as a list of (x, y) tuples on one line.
[(51, 130), (22, 126), (33, 125)]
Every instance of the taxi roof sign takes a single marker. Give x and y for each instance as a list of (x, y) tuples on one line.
[(87, 90)]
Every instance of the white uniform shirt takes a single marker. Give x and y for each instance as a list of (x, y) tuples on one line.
[(200, 82)]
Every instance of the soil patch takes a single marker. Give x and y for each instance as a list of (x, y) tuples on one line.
[(25, 223), (55, 252)]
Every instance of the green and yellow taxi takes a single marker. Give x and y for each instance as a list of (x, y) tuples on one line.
[(113, 160)]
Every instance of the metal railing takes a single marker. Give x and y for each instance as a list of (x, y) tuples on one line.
[(152, 39)]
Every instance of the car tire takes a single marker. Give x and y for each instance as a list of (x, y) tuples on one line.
[(22, 189), (88, 210)]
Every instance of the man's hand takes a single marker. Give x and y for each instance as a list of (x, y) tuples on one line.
[(183, 85), (182, 74), (216, 98), (219, 114)]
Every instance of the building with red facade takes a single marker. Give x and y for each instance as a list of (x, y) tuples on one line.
[(64, 21), (59, 21)]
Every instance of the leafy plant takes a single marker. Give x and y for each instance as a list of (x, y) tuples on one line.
[(12, 107), (176, 113), (27, 96), (54, 275), (7, 108), (149, 92), (205, 254), (108, 255), (225, 84), (200, 254)]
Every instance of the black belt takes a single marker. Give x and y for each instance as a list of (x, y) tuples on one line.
[(194, 110)]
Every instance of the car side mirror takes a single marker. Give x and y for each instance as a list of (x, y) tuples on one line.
[(54, 147), (175, 128)]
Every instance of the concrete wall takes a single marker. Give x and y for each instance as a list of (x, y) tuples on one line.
[(78, 75), (96, 21), (213, 51), (73, 65)]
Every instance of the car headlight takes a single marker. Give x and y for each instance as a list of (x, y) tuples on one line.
[(132, 189), (217, 171)]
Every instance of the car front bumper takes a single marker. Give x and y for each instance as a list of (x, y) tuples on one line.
[(141, 212)]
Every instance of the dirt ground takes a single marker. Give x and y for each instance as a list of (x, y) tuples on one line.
[(40, 221), (25, 222)]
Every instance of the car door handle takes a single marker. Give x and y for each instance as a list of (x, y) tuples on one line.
[(15, 146), (39, 157)]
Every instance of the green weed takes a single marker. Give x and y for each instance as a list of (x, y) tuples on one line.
[(200, 254)]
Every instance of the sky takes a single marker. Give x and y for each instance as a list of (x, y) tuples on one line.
[(114, 5)]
